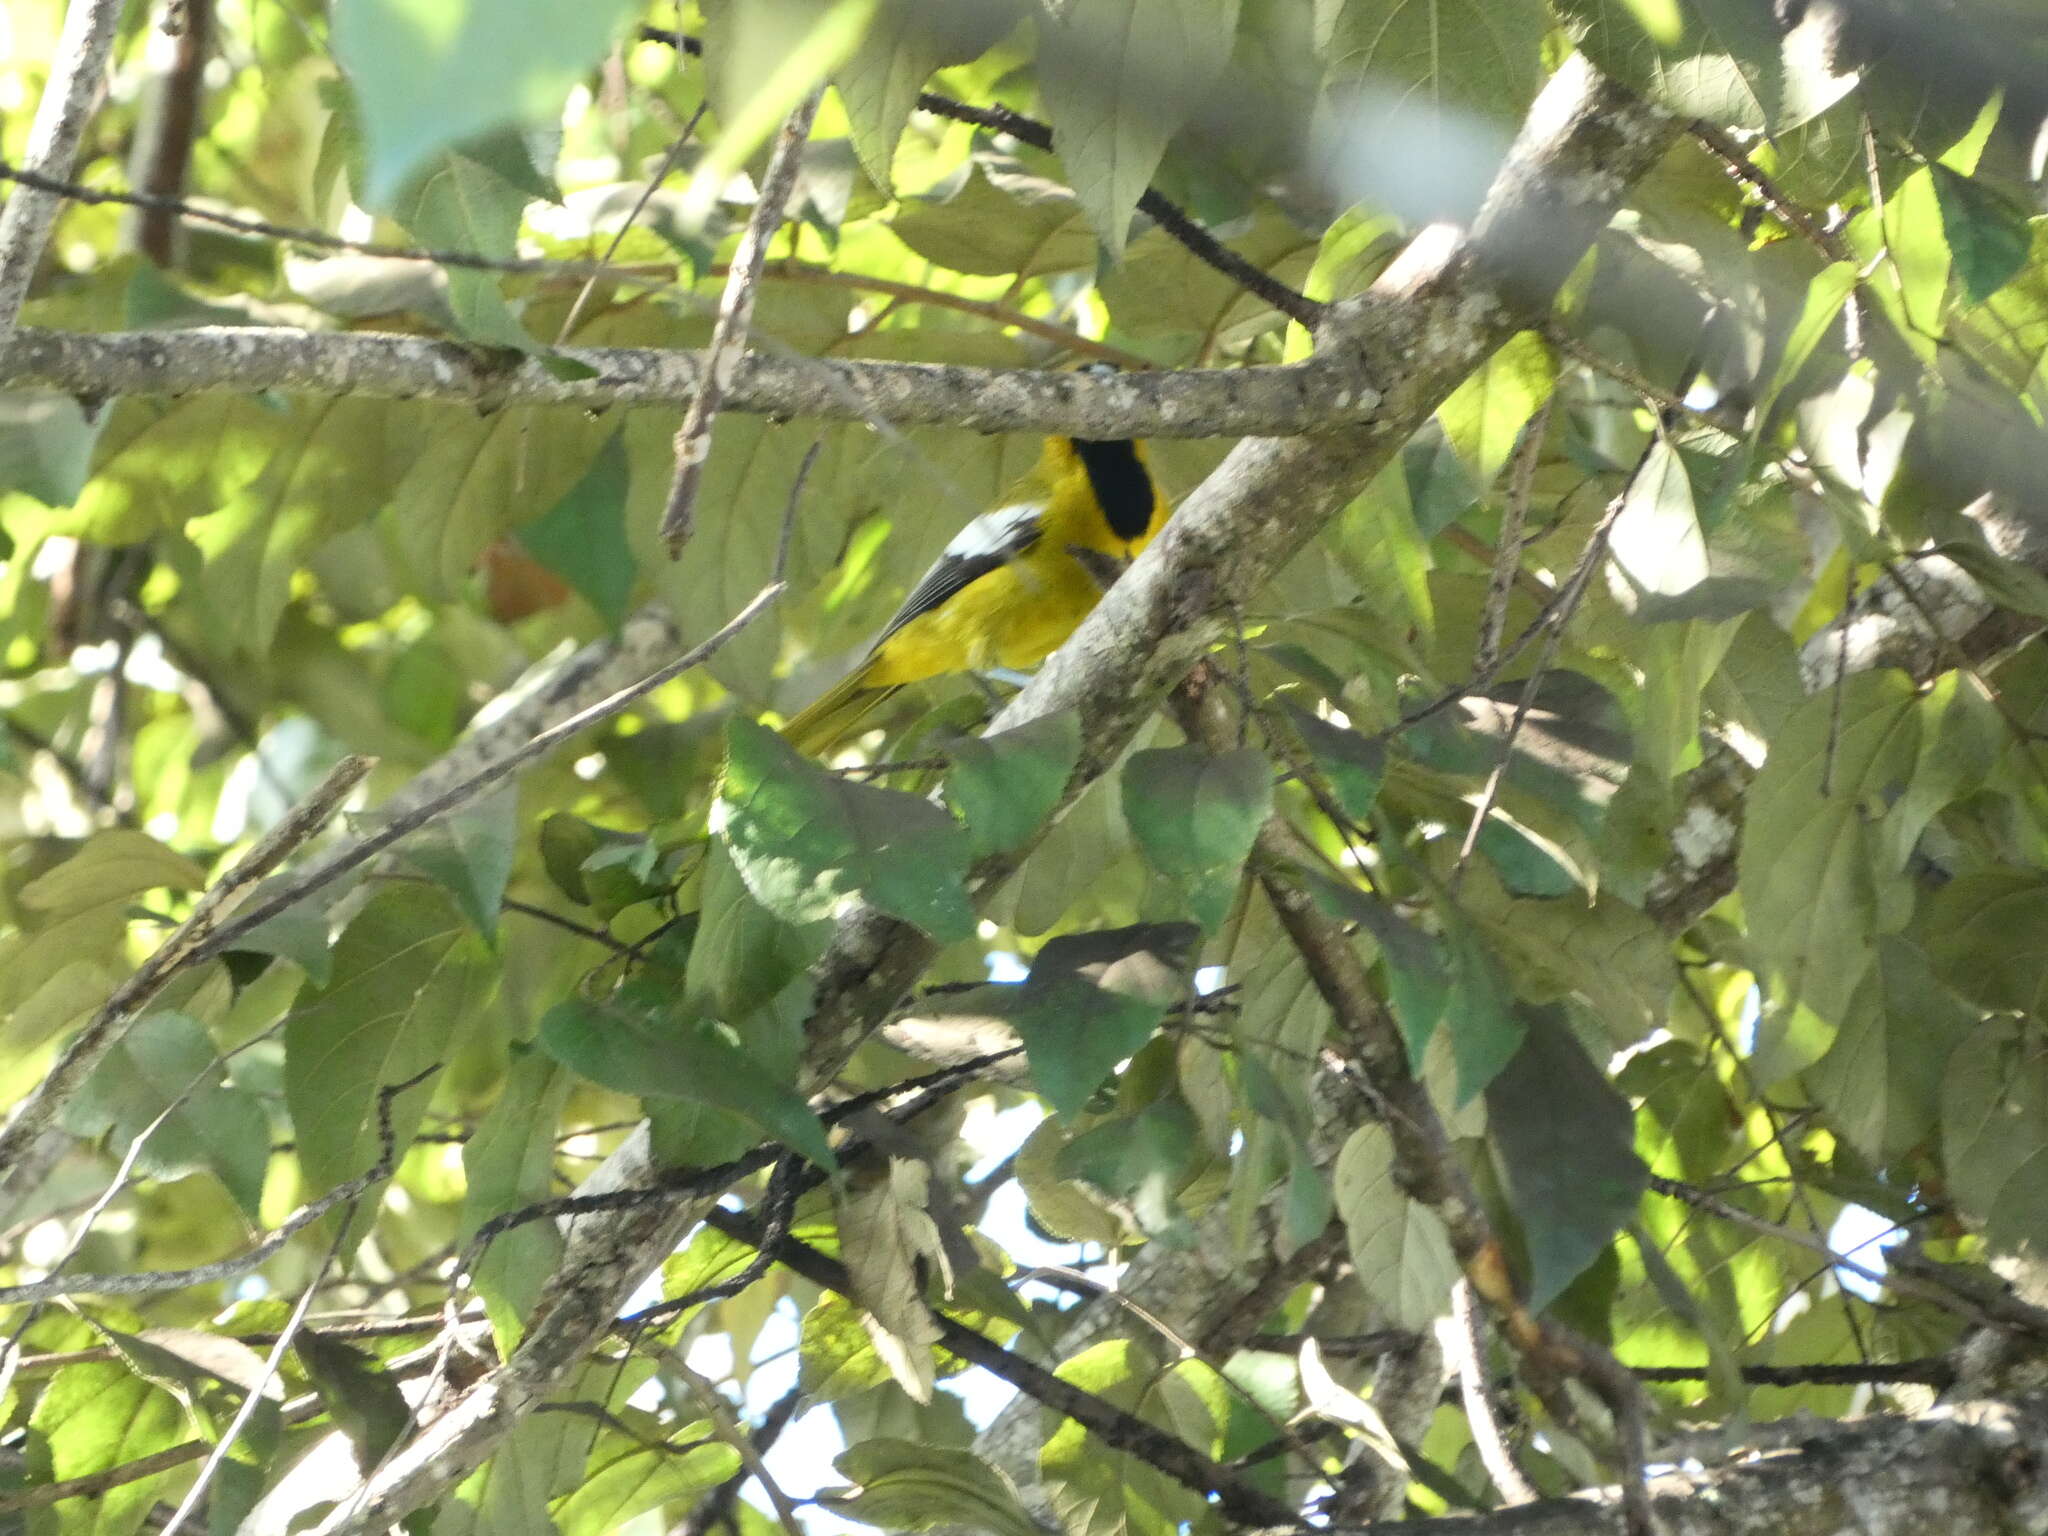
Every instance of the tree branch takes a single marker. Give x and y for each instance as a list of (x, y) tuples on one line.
[(1965, 1470), (1215, 402), (735, 319), (80, 65)]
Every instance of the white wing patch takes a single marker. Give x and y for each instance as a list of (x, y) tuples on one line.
[(988, 543), (1000, 533)]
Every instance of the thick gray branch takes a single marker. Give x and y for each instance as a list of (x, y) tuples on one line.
[(1974, 1469), (1214, 402), (83, 48)]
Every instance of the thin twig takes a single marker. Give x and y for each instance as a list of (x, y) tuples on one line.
[(1167, 214), (1746, 170), (297, 889), (787, 537), (717, 1507), (253, 1393), (1117, 1429), (1554, 619), (2004, 1312), (148, 1282), (734, 1434), (91, 1044), (73, 770), (1929, 1371), (77, 70), (1507, 555), (1494, 1455), (668, 163), (735, 318)]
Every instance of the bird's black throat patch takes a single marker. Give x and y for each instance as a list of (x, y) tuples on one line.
[(1122, 487)]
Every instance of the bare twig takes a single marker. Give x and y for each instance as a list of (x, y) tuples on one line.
[(1274, 401), (186, 943), (2002, 1311), (465, 789), (1116, 1428), (735, 318), (1494, 1453), (1552, 621), (253, 1392), (734, 1434), (1167, 214), (149, 1281), (1746, 170), (716, 1508), (668, 163), (1507, 554), (170, 127), (76, 72)]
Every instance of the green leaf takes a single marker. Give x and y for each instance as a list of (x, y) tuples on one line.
[(898, 50), (460, 204), (1482, 54), (639, 1041), (1354, 765), (405, 984), (1657, 540), (1119, 78), (839, 1358), (112, 865), (744, 955), (905, 1485), (1880, 1082), (1812, 867), (1098, 1491), (1142, 1160), (1994, 1102), (1485, 415), (1400, 1247), (644, 1478), (1968, 928), (1195, 815), (1825, 295), (993, 224), (804, 840), (94, 1417), (1566, 1146), (1091, 999), (428, 76), (582, 537), (1988, 235), (46, 444), (1729, 61), (1005, 785), (1918, 270), (166, 1059), (469, 853), (361, 1396), (508, 1162)]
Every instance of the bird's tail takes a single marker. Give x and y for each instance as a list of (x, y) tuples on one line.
[(828, 720)]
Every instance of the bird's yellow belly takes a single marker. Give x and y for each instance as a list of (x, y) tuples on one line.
[(1013, 617)]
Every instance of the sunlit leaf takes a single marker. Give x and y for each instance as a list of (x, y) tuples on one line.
[(805, 840)]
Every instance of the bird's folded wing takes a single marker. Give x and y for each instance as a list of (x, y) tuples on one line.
[(988, 543)]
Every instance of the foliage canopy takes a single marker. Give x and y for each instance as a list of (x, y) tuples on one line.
[(1649, 751)]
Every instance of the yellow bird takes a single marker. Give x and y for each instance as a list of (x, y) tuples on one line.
[(1011, 586)]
